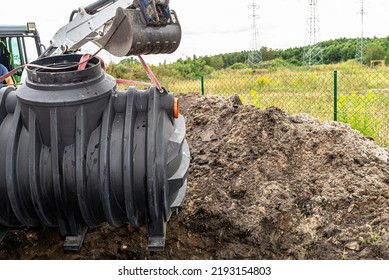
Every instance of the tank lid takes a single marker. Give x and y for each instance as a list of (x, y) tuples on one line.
[(57, 81), (63, 69)]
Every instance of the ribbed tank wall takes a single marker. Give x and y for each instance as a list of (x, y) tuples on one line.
[(77, 153)]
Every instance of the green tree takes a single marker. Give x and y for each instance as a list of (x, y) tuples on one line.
[(267, 54), (192, 67), (375, 51), (216, 62)]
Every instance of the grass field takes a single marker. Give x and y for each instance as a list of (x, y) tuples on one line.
[(363, 93)]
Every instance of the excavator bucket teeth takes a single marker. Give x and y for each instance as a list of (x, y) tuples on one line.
[(129, 34)]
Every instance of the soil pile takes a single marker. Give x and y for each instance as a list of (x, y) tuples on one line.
[(262, 185)]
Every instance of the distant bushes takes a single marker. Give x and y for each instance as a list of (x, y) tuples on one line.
[(239, 65), (334, 51)]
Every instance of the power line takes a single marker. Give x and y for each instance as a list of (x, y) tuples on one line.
[(255, 56), (361, 46), (313, 52)]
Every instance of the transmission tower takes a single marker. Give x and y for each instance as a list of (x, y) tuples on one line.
[(255, 56), (361, 46), (313, 52)]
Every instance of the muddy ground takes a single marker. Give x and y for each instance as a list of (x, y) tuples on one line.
[(262, 185)]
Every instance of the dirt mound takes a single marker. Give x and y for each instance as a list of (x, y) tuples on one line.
[(262, 185)]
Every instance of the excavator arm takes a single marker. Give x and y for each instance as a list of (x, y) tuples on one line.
[(121, 27)]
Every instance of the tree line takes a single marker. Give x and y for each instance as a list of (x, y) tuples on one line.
[(334, 51)]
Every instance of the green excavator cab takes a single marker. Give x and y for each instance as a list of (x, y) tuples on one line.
[(19, 44)]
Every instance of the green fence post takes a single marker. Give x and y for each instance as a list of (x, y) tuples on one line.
[(336, 95), (202, 85)]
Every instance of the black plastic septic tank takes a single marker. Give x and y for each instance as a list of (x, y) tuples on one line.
[(75, 152)]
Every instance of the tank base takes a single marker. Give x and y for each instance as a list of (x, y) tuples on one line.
[(74, 243)]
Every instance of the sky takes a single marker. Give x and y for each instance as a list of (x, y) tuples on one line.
[(214, 27)]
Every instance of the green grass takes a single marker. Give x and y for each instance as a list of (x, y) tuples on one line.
[(363, 92), (359, 110)]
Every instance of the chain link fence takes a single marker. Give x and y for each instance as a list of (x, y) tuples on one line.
[(363, 102), (358, 96)]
